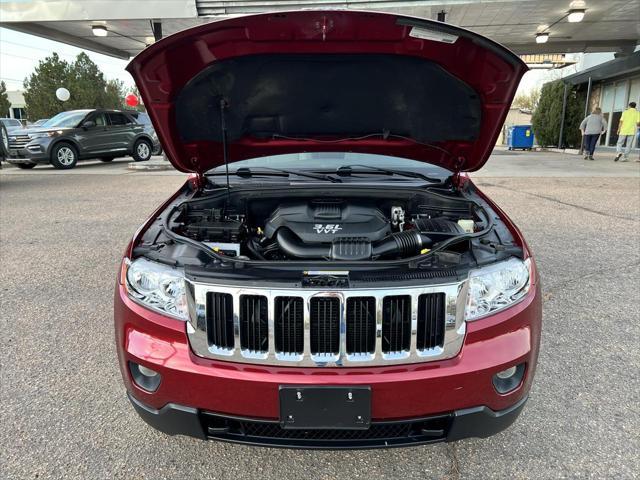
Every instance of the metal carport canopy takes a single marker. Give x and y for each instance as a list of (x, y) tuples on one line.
[(609, 25)]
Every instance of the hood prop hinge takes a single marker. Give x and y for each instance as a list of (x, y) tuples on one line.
[(223, 132), (455, 178), (459, 162)]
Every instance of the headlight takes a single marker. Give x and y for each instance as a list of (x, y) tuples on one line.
[(497, 287), (158, 287), (33, 136)]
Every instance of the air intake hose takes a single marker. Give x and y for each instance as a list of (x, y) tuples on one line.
[(402, 244)]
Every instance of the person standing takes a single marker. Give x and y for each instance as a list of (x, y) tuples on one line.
[(592, 127), (629, 121)]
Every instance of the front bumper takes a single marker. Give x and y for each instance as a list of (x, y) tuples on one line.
[(33, 152), (205, 393), (174, 419)]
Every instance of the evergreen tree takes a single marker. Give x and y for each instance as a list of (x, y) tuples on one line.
[(86, 84), (114, 94), (4, 100), (548, 114), (84, 80), (40, 88)]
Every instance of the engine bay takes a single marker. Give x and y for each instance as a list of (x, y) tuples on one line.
[(325, 226)]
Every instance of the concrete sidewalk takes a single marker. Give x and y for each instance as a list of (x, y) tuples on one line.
[(505, 163)]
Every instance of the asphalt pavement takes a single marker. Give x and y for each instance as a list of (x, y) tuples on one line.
[(63, 408)]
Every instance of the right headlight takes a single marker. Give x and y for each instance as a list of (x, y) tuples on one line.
[(158, 287), (497, 287)]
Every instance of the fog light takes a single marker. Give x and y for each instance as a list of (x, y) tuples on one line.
[(144, 377), (509, 372), (508, 379), (147, 372)]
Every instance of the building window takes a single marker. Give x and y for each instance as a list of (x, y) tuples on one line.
[(621, 96), (634, 91), (18, 113)]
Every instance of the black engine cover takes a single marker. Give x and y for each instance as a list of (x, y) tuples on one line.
[(323, 221)]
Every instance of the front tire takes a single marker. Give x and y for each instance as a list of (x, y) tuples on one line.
[(142, 150), (25, 166), (64, 156)]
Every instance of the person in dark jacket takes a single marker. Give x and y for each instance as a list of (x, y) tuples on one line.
[(592, 127)]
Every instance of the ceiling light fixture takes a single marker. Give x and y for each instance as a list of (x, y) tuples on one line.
[(542, 37), (575, 15), (99, 30)]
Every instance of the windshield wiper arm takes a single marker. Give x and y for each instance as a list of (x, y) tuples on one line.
[(279, 172), (347, 170)]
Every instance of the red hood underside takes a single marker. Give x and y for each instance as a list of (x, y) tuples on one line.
[(327, 81)]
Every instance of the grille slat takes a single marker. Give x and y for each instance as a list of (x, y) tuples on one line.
[(220, 320), (361, 325), (19, 142), (396, 324), (254, 323), (431, 318), (325, 325), (289, 325)]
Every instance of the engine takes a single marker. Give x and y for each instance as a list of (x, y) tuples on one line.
[(318, 229), (324, 221), (339, 230)]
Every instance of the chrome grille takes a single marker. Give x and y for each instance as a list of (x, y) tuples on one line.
[(18, 141), (325, 327)]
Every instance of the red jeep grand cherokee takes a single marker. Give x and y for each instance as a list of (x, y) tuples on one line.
[(329, 276)]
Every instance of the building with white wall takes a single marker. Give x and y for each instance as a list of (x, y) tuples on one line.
[(17, 108)]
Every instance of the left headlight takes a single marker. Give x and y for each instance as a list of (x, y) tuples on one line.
[(158, 287), (497, 287)]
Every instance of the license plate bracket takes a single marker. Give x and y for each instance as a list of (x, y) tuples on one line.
[(326, 407)]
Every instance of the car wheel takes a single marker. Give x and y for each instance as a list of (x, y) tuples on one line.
[(25, 166), (142, 150), (64, 156), (4, 142), (106, 159)]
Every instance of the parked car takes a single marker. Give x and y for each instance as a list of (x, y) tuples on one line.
[(329, 276), (4, 143), (11, 124), (80, 134), (143, 119), (38, 123), (7, 125)]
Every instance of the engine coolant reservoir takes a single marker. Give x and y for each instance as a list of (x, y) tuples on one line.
[(466, 225)]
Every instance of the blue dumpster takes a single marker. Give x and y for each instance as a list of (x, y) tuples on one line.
[(520, 136)]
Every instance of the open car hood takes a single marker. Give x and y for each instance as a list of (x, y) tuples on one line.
[(327, 81)]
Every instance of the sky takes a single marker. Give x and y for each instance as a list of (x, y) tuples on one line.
[(20, 53)]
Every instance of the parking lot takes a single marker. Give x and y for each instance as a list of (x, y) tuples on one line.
[(63, 407)]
